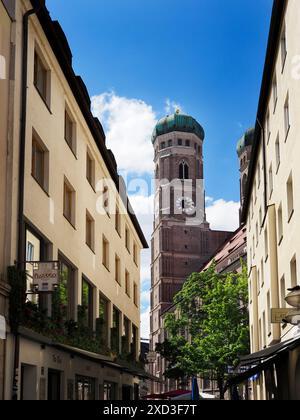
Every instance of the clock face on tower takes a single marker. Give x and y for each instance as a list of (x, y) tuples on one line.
[(186, 205)]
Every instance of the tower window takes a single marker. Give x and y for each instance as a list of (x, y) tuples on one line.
[(183, 171), (170, 143), (179, 142), (163, 145), (188, 143)]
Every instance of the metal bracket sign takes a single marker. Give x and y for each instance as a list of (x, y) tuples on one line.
[(151, 357), (45, 276), (279, 314)]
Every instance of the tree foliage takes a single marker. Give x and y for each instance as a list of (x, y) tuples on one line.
[(208, 330)]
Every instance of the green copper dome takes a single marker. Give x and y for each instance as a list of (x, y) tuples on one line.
[(178, 122), (245, 141)]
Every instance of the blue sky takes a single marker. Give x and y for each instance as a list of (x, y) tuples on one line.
[(205, 55)]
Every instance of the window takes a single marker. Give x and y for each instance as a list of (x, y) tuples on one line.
[(170, 143), (188, 143), (90, 231), (87, 303), (269, 314), (290, 197), (275, 92), (294, 280), (69, 202), (183, 171), (41, 78), (90, 169), (134, 342), (127, 239), (106, 202), (283, 292), (264, 335), (266, 244), (162, 145), (262, 271), (283, 46), (127, 283), (109, 390), (102, 322), (118, 270), (70, 131), (126, 336), (280, 224), (260, 335), (179, 142), (277, 151), (40, 162), (287, 116), (135, 253), (135, 294), (64, 302), (85, 388), (105, 253), (30, 252), (260, 218), (256, 233), (115, 333), (118, 221), (271, 186)]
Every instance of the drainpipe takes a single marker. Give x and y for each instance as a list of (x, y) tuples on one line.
[(21, 230)]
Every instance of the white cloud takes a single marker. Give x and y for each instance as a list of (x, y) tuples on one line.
[(145, 324), (223, 215), (172, 106), (128, 124), (143, 208)]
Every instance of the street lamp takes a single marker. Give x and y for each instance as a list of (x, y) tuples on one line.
[(293, 299)]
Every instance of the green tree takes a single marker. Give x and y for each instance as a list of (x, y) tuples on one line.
[(208, 330)]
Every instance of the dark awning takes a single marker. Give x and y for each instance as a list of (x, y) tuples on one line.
[(262, 360), (270, 352)]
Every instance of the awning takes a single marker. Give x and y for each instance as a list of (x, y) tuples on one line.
[(262, 360)]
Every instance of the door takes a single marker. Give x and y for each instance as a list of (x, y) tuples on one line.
[(54, 378)]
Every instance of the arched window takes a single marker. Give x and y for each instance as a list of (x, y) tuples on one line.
[(183, 171)]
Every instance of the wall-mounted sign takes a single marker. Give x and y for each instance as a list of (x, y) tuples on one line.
[(151, 357), (45, 276), (2, 328), (278, 315)]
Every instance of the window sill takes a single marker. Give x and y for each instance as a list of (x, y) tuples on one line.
[(283, 64), (91, 184), (291, 216), (278, 167), (70, 147), (275, 105), (106, 267), (90, 248), (69, 221), (44, 100), (287, 133), (41, 186)]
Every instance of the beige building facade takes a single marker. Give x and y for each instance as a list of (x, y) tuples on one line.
[(73, 211), (271, 211)]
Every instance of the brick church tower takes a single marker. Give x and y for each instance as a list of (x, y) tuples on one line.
[(182, 240)]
